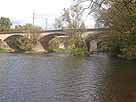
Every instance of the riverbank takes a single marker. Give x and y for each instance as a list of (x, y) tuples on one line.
[(5, 50)]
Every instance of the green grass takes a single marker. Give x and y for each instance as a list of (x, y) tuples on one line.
[(77, 51), (4, 50)]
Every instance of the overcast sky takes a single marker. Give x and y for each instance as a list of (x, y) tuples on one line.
[(20, 11)]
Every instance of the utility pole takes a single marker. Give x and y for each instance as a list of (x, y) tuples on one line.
[(33, 18), (46, 23)]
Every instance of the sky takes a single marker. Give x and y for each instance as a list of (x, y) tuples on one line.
[(21, 11)]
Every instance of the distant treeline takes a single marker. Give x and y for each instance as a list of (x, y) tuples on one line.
[(6, 26)]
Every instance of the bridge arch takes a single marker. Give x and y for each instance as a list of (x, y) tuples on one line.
[(45, 36), (44, 41), (95, 40), (12, 41)]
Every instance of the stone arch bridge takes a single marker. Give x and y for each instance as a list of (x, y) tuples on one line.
[(46, 36), (96, 39)]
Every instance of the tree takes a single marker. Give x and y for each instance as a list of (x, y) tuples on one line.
[(72, 22), (91, 5), (27, 28), (32, 33), (5, 24), (58, 24), (120, 17)]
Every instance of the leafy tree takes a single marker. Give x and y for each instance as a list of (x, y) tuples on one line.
[(5, 24), (73, 23), (120, 17)]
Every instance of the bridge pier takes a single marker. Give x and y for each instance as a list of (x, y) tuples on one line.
[(4, 45), (39, 48)]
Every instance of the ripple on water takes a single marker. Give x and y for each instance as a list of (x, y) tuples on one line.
[(63, 78)]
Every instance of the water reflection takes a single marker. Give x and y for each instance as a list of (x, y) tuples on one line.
[(63, 78)]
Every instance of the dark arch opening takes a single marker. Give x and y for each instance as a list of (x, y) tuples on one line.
[(12, 41)]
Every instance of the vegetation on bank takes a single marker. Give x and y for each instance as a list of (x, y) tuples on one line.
[(73, 24), (120, 17), (5, 50)]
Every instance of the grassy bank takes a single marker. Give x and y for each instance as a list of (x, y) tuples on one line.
[(5, 50)]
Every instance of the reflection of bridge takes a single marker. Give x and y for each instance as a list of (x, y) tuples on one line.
[(46, 36)]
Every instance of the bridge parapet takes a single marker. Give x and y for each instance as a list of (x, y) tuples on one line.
[(46, 36)]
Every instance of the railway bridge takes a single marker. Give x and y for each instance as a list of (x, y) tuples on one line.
[(45, 36)]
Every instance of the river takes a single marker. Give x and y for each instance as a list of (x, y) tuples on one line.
[(63, 78)]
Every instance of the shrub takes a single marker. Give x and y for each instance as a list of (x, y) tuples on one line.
[(77, 51), (23, 44)]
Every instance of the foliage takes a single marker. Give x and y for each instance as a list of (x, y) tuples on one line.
[(77, 51), (4, 50), (72, 22), (5, 24), (90, 6), (58, 24), (23, 44), (124, 47), (54, 43), (27, 28), (120, 17), (32, 33)]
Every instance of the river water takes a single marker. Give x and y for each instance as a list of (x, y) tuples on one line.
[(63, 78)]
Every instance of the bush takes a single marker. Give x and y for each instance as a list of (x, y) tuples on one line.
[(23, 44), (77, 51), (124, 47)]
